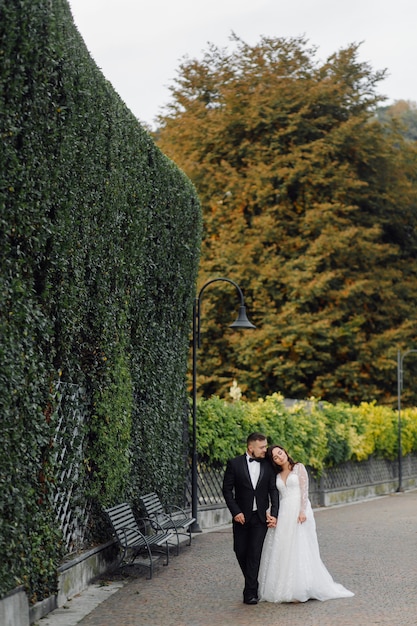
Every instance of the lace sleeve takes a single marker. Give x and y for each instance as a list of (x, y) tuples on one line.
[(303, 478)]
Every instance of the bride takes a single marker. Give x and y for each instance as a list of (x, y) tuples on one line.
[(291, 568)]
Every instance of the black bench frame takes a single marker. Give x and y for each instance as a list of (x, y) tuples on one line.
[(174, 518), (131, 538)]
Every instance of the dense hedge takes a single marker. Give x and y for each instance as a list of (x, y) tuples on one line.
[(99, 247), (318, 434)]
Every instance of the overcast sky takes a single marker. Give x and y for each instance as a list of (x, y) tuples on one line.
[(138, 44)]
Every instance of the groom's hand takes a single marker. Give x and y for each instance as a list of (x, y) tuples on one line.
[(239, 518)]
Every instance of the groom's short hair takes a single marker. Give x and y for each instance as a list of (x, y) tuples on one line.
[(255, 437)]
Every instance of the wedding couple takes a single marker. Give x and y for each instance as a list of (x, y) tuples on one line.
[(274, 532)]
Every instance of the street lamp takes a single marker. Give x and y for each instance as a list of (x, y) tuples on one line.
[(400, 371), (240, 322)]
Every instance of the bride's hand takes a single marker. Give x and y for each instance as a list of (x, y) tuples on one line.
[(301, 518)]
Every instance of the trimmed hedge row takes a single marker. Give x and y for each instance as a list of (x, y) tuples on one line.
[(99, 251), (318, 434)]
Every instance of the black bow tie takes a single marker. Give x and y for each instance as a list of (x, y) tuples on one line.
[(251, 459)]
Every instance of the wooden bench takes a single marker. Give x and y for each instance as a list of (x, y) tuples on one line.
[(134, 540), (174, 519)]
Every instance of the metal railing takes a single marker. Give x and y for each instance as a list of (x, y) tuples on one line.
[(348, 475)]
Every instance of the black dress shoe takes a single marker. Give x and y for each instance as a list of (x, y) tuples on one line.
[(251, 600)]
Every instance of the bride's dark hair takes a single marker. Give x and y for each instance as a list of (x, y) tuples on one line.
[(276, 467)]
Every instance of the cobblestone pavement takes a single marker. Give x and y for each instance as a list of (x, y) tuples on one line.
[(369, 547)]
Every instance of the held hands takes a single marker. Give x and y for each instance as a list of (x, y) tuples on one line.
[(271, 522)]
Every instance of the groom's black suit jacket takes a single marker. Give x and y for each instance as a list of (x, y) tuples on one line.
[(238, 491)]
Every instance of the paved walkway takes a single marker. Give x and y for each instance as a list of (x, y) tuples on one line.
[(370, 547)]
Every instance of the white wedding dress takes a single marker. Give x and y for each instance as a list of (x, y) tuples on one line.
[(291, 569)]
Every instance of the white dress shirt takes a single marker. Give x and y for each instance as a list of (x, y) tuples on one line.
[(254, 471)]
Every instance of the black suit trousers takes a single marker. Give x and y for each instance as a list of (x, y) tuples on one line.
[(248, 539)]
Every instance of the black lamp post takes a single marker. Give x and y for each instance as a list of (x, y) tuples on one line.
[(241, 322), (400, 372)]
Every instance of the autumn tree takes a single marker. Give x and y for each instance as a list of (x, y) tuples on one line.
[(310, 205)]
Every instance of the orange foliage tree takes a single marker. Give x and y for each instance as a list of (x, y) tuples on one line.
[(310, 204)]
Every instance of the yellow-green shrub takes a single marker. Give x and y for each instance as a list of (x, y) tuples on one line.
[(318, 434), (408, 430), (378, 426)]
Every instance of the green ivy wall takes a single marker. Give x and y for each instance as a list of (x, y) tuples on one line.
[(99, 249)]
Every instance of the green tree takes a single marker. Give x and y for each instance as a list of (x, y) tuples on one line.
[(310, 205), (404, 113)]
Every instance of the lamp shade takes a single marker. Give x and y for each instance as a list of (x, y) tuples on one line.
[(242, 320)]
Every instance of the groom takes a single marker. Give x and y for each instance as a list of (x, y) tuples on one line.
[(249, 488)]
